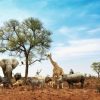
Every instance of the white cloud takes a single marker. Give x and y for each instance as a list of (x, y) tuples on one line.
[(72, 32), (94, 31), (64, 30), (78, 48), (78, 32)]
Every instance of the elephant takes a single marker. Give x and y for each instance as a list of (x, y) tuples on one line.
[(7, 66)]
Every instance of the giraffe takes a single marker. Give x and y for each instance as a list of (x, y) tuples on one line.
[(57, 71)]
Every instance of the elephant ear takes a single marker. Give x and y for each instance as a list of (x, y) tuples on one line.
[(2, 63), (14, 63)]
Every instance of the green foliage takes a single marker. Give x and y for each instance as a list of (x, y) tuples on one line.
[(96, 67), (1, 34), (2, 50), (28, 38)]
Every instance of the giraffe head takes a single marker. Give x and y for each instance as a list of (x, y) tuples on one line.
[(48, 55)]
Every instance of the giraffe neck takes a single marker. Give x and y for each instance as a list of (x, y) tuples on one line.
[(53, 62)]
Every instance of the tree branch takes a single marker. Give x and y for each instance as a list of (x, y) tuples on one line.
[(37, 60)]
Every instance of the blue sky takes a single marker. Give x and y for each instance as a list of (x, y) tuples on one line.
[(75, 25)]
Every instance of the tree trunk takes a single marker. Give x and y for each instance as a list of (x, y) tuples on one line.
[(26, 70)]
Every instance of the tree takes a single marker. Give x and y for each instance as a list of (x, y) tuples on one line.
[(27, 39), (96, 68)]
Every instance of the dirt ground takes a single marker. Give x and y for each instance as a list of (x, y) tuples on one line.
[(89, 92)]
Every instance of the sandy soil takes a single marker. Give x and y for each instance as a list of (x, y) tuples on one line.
[(24, 93)]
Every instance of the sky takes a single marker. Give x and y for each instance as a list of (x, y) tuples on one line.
[(75, 25)]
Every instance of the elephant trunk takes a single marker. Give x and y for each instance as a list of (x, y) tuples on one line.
[(9, 71)]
